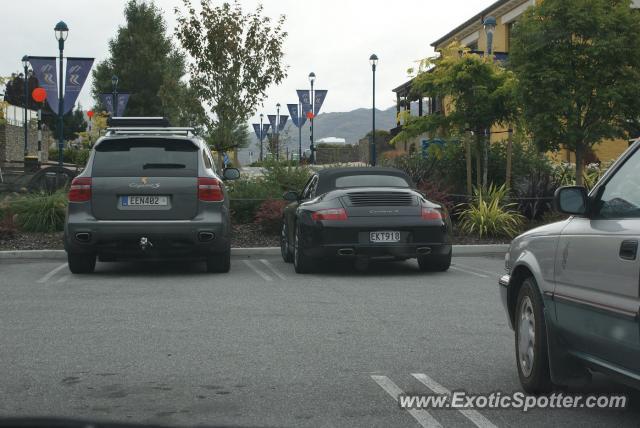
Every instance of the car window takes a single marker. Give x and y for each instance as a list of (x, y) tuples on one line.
[(621, 196), (311, 185), (373, 180), (145, 157), (207, 161)]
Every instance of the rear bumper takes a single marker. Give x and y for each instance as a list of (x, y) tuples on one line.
[(121, 239), (351, 238)]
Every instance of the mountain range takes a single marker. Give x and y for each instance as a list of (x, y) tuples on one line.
[(351, 125)]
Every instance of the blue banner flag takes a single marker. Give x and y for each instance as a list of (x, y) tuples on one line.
[(293, 112), (107, 102), (305, 100), (77, 72), (319, 97), (265, 129), (123, 99), (45, 71), (272, 120), (283, 122), (256, 129)]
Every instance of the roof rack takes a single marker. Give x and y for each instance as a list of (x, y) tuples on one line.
[(138, 122), (187, 132)]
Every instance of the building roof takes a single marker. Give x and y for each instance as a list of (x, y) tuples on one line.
[(478, 18)]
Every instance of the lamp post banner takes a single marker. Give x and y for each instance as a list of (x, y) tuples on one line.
[(272, 120), (77, 71), (107, 101), (293, 111), (305, 100), (283, 122), (44, 68), (319, 96), (265, 129), (123, 99), (256, 129)]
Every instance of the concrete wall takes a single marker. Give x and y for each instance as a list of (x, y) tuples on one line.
[(12, 142)]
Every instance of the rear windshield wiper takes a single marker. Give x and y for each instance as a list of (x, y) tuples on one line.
[(163, 165)]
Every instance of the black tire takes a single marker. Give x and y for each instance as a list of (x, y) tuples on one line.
[(435, 263), (81, 263), (219, 262), (301, 262), (534, 375), (285, 249)]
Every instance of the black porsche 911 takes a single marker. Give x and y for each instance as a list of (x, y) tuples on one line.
[(362, 214)]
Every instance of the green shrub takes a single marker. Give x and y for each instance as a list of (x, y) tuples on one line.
[(40, 212), (71, 155), (269, 215), (489, 215)]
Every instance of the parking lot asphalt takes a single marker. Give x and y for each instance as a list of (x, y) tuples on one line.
[(166, 343)]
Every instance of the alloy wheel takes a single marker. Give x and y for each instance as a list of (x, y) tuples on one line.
[(526, 336)]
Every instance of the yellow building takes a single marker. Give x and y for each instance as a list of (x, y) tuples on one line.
[(471, 33)]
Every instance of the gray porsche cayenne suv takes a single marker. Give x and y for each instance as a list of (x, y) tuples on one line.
[(148, 191)]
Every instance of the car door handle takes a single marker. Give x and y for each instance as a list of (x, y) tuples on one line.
[(629, 250)]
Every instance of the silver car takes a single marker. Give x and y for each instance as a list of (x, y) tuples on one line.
[(148, 192), (572, 288)]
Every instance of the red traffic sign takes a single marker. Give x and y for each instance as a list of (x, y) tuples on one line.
[(39, 95), (310, 115), (90, 114)]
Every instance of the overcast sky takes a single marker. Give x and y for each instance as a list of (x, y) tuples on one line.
[(333, 38)]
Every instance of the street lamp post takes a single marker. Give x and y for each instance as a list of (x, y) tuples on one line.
[(312, 156), (261, 136), (114, 94), (300, 113), (373, 59), (489, 28), (61, 31), (277, 145), (25, 64)]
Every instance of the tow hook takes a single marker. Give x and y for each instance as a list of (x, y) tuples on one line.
[(145, 243)]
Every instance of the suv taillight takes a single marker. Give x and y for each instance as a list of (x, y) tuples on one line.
[(330, 214), (80, 190), (210, 189), (431, 213)]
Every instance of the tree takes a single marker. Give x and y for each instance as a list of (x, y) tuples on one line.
[(237, 135), (578, 69), (235, 56), (149, 67), (479, 90)]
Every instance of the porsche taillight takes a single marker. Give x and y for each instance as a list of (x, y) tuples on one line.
[(210, 189), (329, 214), (429, 213), (80, 190)]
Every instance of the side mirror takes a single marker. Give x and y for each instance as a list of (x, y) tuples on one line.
[(231, 173), (291, 196), (571, 200)]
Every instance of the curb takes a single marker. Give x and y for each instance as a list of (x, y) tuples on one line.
[(458, 251)]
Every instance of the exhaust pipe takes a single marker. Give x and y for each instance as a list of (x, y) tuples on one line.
[(346, 252), (83, 236), (206, 236), (423, 251), (145, 243)]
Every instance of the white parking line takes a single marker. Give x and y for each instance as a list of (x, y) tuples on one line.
[(62, 279), (51, 273), (478, 269), (259, 271), (272, 268), (473, 415), (423, 417), (468, 271)]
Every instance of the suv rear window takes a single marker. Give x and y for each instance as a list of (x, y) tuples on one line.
[(143, 157)]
